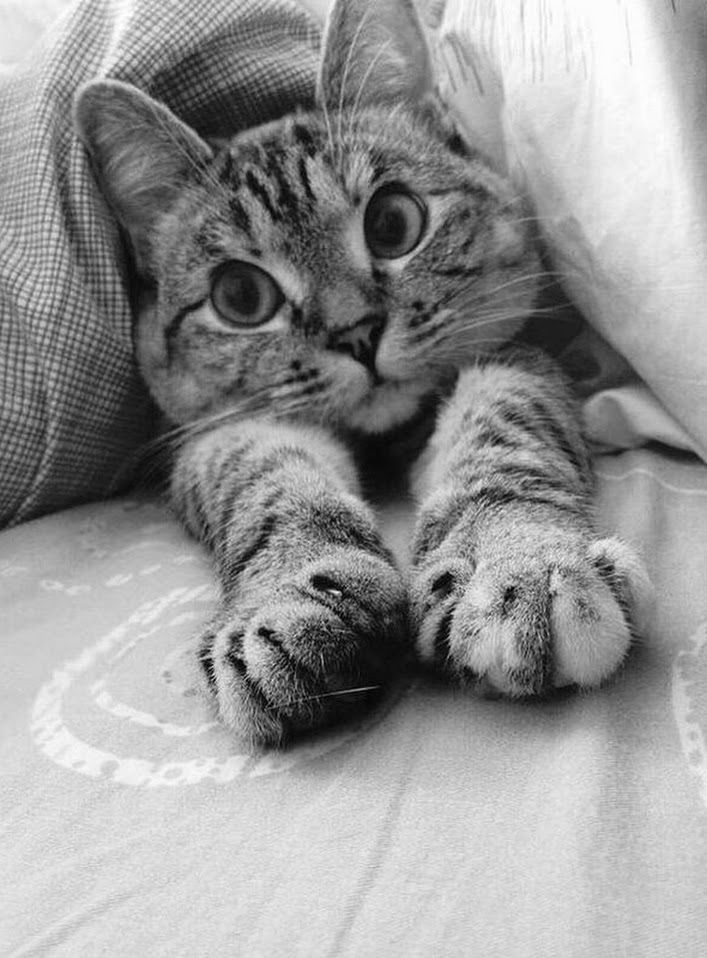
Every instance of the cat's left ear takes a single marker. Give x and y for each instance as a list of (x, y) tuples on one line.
[(141, 153), (374, 51)]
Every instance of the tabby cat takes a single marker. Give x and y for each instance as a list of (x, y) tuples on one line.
[(331, 275)]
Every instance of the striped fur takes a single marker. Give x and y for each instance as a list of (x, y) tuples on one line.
[(312, 621), (510, 590)]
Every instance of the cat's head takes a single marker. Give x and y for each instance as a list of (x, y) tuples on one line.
[(340, 263)]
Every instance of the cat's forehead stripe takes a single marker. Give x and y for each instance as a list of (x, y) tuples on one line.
[(240, 215), (304, 179), (295, 165), (260, 189)]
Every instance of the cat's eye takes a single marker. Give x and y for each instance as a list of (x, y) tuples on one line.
[(244, 295), (394, 222)]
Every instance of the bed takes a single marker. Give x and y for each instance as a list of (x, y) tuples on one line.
[(132, 824), (442, 825)]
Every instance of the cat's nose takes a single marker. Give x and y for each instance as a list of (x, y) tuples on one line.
[(360, 340)]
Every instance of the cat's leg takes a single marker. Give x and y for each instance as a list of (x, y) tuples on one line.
[(312, 605), (512, 589)]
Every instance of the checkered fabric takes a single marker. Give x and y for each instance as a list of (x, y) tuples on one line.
[(72, 406)]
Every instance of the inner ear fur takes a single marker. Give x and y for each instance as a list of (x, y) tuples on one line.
[(374, 51), (141, 154)]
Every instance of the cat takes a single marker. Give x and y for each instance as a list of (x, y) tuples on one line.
[(333, 274)]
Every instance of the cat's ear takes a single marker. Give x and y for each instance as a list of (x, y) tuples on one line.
[(374, 51), (141, 153)]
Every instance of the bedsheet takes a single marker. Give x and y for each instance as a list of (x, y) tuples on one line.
[(443, 825)]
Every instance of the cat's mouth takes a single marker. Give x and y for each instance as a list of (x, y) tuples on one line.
[(386, 404)]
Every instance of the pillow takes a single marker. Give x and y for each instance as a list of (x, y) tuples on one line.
[(72, 406), (598, 108)]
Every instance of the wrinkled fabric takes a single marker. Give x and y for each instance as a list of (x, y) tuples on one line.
[(598, 108), (72, 406), (444, 825)]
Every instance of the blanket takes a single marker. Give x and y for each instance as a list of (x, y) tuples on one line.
[(72, 405)]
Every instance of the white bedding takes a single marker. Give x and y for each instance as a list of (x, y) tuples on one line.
[(598, 108), (445, 825)]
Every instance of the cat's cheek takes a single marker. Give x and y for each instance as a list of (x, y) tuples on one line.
[(153, 363), (150, 347), (350, 402), (353, 382), (392, 362), (181, 396), (406, 368)]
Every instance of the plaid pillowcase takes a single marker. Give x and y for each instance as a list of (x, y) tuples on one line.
[(72, 406)]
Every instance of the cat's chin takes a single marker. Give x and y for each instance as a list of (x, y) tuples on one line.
[(385, 406)]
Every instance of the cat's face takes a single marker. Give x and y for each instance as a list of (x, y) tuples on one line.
[(341, 265), (345, 284)]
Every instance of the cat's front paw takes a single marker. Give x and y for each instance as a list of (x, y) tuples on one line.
[(521, 616), (316, 648)]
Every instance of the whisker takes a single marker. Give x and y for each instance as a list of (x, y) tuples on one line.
[(278, 400), (201, 170), (398, 108), (495, 341), (478, 321), (326, 695), (366, 75), (528, 219), (527, 277), (468, 321), (330, 135), (327, 122), (347, 65)]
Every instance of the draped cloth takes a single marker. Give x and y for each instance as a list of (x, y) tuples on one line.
[(72, 405), (598, 108)]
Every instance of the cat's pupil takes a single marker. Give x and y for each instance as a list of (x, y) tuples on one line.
[(389, 226), (243, 294)]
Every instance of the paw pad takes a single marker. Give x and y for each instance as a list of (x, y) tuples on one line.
[(324, 583), (443, 585), (510, 595)]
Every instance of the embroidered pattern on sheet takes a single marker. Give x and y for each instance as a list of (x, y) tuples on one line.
[(165, 736), (689, 696)]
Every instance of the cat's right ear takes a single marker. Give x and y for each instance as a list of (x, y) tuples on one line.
[(141, 153), (374, 52)]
